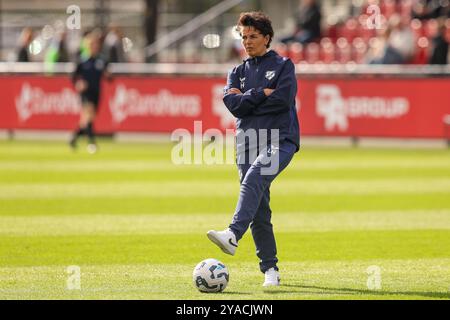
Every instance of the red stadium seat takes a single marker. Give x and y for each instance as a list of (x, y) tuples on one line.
[(431, 28), (344, 51), (332, 31), (405, 7), (296, 53), (327, 50), (388, 8), (421, 56), (349, 30), (447, 30), (359, 50), (417, 28), (281, 49), (312, 53)]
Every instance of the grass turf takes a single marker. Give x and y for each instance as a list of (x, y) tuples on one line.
[(135, 224)]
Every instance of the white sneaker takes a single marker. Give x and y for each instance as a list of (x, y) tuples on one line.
[(225, 240), (272, 278)]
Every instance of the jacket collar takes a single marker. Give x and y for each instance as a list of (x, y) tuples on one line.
[(269, 53)]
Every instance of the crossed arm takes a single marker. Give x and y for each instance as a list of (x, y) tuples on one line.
[(267, 91), (260, 101)]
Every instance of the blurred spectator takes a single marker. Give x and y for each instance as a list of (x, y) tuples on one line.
[(308, 19), (113, 45), (57, 50), (377, 47), (398, 41), (430, 9), (402, 38), (25, 40), (439, 47), (83, 52)]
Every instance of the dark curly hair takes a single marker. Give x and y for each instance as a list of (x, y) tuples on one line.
[(257, 20)]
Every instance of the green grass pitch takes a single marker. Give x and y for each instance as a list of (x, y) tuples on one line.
[(136, 225)]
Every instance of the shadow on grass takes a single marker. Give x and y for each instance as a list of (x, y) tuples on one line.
[(343, 291)]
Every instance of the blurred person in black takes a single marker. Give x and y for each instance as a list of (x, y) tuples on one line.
[(113, 45), (26, 38), (308, 18), (439, 46), (83, 50), (430, 9), (57, 51), (87, 81)]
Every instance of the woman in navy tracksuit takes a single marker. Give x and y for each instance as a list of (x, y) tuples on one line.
[(260, 93)]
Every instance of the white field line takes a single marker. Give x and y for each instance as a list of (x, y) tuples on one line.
[(224, 188), (142, 165), (148, 224)]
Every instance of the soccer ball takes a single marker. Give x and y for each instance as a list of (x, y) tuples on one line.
[(211, 275)]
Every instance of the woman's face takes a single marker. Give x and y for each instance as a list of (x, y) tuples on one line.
[(253, 41), (94, 46)]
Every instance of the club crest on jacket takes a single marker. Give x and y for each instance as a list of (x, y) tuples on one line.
[(270, 75)]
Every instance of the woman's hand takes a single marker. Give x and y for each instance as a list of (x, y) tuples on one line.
[(268, 92), (81, 85), (234, 91)]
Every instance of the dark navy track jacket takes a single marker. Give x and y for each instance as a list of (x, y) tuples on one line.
[(91, 70), (252, 108)]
